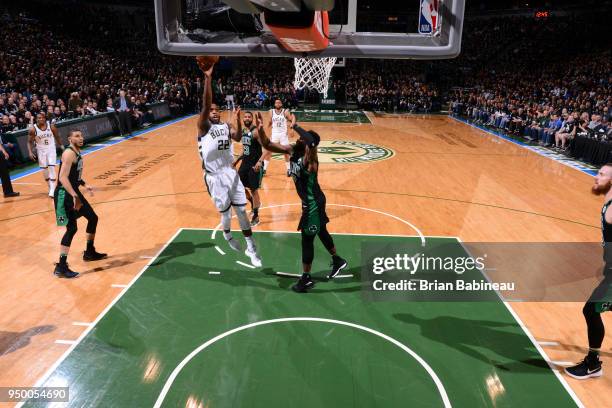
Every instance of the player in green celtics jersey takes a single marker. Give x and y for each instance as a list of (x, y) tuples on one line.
[(600, 300), (70, 204), (251, 166), (305, 170)]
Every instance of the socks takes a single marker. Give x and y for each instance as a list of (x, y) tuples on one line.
[(593, 354), (227, 235), (63, 259), (90, 246), (250, 243), (266, 162)]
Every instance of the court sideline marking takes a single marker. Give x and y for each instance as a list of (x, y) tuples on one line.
[(73, 345), (418, 231), (190, 356), (76, 342), (99, 146), (574, 164), (530, 336)]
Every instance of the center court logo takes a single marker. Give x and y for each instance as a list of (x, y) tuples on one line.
[(346, 151)]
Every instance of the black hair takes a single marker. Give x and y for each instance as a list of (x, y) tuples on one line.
[(315, 136), (73, 130)]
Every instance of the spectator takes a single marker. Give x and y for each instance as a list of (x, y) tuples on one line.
[(123, 106)]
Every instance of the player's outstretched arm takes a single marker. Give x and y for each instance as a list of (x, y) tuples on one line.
[(290, 118), (203, 121), (236, 132), (265, 142)]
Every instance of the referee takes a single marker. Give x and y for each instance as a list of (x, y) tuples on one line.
[(7, 187)]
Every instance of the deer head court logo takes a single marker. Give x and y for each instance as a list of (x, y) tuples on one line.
[(346, 151)]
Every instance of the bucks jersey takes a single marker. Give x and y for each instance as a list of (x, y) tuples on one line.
[(215, 148), (44, 138), (279, 124), (251, 148)]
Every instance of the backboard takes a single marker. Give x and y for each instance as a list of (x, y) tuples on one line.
[(238, 28)]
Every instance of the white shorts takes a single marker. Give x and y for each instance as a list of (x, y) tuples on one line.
[(280, 138), (46, 157), (225, 189)]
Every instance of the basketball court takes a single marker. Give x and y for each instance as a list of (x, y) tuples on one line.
[(174, 317)]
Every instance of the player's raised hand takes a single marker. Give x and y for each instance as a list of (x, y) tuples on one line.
[(259, 122), (237, 111)]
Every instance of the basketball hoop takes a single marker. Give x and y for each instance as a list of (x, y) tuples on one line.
[(313, 73)]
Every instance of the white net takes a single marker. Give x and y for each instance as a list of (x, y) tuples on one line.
[(313, 73)]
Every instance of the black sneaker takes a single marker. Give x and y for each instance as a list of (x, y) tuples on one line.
[(587, 368), (255, 221), (337, 264), (303, 284), (63, 271), (93, 255)]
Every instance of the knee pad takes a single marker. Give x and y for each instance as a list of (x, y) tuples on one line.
[(245, 224)]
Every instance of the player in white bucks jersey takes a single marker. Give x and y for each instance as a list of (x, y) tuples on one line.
[(221, 179), (280, 121), (44, 137)]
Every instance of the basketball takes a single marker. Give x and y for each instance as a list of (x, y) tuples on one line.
[(206, 61)]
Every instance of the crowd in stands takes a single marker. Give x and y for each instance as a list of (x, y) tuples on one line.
[(73, 66), (516, 83), (509, 75)]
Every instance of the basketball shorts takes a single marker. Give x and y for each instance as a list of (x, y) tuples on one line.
[(64, 206), (602, 295), (250, 178), (313, 217), (225, 189), (46, 157), (280, 138)]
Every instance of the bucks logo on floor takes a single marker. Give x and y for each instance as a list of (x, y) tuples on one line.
[(346, 151)]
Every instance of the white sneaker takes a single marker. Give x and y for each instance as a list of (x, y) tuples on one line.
[(235, 245), (255, 259)]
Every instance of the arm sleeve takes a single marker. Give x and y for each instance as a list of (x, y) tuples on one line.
[(304, 135)]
